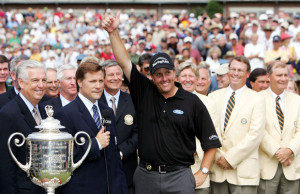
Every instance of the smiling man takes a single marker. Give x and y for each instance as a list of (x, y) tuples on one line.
[(242, 113), (280, 147), (126, 122), (169, 120), (66, 81), (187, 75), (22, 114), (259, 80), (52, 85)]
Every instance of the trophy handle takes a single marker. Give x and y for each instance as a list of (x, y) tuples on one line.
[(82, 141), (18, 144)]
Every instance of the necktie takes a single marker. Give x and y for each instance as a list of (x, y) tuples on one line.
[(279, 113), (113, 105), (36, 116), (96, 116), (230, 106)]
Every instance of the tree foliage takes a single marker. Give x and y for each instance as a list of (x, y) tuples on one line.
[(213, 7)]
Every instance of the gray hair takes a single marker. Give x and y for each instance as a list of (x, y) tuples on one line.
[(187, 65), (110, 63), (61, 69), (24, 65), (204, 66), (15, 61)]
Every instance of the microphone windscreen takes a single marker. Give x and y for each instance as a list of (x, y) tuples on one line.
[(106, 114)]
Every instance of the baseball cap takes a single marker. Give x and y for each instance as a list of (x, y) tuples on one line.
[(223, 69), (188, 39), (233, 36), (160, 60), (276, 38)]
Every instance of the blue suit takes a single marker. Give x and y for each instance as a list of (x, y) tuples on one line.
[(15, 117), (127, 134), (90, 177), (54, 102)]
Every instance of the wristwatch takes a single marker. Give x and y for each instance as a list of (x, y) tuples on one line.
[(204, 170)]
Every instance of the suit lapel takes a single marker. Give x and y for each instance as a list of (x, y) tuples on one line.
[(122, 104), (28, 118), (12, 94), (287, 106), (238, 105), (86, 116)]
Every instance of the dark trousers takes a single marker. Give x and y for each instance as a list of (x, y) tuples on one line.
[(151, 182)]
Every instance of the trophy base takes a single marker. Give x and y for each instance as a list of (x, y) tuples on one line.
[(50, 190)]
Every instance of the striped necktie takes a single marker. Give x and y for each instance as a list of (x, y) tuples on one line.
[(113, 103), (230, 106), (36, 116), (96, 116), (279, 113)]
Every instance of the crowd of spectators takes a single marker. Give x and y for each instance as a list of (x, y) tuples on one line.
[(61, 37)]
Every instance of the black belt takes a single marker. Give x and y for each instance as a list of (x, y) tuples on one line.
[(160, 168)]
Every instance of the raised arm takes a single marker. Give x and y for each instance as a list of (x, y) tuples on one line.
[(111, 24)]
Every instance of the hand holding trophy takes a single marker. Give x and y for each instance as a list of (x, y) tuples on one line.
[(49, 153)]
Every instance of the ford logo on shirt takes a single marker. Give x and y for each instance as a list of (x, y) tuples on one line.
[(179, 112)]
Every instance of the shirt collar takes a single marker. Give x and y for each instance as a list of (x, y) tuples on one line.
[(237, 92), (64, 101), (88, 104), (275, 95), (28, 104), (17, 92), (108, 96)]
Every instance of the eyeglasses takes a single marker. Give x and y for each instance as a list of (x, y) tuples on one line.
[(239, 71), (146, 69)]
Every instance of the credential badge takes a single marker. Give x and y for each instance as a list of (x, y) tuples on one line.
[(244, 121), (128, 119)]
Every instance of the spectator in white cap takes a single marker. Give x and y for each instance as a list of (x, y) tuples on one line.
[(255, 52), (167, 17), (267, 43), (237, 48), (141, 47), (295, 27), (263, 20), (173, 42), (222, 76), (188, 43), (253, 28), (158, 34)]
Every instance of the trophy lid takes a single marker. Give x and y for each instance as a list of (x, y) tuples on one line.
[(49, 128)]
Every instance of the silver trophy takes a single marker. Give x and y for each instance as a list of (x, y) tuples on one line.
[(49, 153)]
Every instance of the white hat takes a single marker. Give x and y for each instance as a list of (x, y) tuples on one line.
[(172, 35), (188, 39), (263, 17), (285, 25), (192, 15), (233, 36), (270, 12), (158, 23), (223, 69), (234, 15)]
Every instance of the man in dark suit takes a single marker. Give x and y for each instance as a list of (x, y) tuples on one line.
[(67, 85), (21, 114), (101, 172), (9, 95), (125, 118)]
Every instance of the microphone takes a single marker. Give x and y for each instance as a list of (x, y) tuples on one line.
[(104, 122), (105, 118)]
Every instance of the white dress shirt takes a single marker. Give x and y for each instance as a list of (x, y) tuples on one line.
[(89, 105), (108, 97)]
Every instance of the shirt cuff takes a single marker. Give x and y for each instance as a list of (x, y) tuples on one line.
[(99, 144)]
